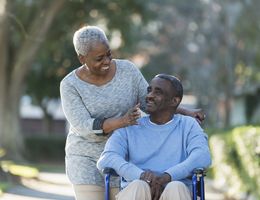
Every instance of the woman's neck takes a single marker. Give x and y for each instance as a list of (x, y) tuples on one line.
[(84, 74)]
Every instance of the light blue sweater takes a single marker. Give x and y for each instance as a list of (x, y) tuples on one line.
[(176, 148)]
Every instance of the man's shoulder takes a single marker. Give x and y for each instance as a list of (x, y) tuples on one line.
[(185, 117), (140, 124)]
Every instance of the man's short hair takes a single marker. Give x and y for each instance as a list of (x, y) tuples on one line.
[(175, 82)]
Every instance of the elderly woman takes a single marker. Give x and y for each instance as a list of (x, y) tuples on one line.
[(101, 95)]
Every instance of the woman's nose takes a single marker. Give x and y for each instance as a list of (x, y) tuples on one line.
[(107, 59)]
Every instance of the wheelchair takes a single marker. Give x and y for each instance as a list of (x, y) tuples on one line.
[(198, 190)]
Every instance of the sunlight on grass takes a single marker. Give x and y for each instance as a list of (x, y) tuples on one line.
[(2, 152), (19, 170), (3, 187)]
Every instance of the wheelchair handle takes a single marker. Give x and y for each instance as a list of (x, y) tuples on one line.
[(110, 171)]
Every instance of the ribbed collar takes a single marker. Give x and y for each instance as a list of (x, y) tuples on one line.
[(162, 127)]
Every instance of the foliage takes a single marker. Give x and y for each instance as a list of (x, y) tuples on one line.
[(37, 35), (207, 44), (45, 148), (236, 160), (3, 187), (57, 57), (19, 170)]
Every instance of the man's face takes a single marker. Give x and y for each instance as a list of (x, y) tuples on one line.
[(159, 96)]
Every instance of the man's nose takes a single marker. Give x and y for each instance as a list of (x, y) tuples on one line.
[(149, 95)]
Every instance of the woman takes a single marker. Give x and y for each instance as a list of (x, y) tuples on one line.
[(98, 97)]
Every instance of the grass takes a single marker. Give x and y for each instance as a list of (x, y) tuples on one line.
[(19, 170), (3, 187), (236, 160)]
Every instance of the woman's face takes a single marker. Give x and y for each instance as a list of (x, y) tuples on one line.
[(98, 59)]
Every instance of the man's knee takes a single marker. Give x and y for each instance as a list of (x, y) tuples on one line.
[(139, 185), (175, 185), (137, 189), (176, 190)]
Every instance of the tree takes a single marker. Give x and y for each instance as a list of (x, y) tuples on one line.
[(211, 45), (22, 37), (14, 67)]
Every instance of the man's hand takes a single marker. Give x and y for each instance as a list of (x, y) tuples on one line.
[(156, 182), (148, 176)]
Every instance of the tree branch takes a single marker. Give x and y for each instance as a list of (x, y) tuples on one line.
[(32, 43)]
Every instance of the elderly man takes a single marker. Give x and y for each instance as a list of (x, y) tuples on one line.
[(156, 156)]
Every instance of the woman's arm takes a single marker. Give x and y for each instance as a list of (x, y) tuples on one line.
[(130, 118), (198, 114)]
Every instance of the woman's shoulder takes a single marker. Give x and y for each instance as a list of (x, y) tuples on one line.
[(69, 78), (125, 66)]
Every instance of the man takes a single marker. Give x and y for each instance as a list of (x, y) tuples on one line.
[(156, 156)]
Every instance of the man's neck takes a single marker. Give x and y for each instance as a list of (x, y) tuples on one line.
[(161, 119)]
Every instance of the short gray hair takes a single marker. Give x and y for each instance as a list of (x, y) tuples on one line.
[(85, 37)]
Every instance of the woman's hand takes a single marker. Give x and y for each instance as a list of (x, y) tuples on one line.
[(130, 118), (198, 114)]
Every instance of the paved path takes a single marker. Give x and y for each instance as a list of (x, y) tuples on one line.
[(55, 186), (51, 186)]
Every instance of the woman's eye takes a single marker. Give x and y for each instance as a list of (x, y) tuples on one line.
[(99, 59)]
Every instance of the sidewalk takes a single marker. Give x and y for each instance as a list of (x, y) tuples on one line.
[(51, 186), (55, 186)]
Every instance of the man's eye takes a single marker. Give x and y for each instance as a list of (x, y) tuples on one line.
[(158, 92)]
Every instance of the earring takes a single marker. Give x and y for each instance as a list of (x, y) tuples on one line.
[(85, 66)]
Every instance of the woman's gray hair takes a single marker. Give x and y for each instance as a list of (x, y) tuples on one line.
[(85, 37)]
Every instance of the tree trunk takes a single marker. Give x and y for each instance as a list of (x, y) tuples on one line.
[(11, 89), (3, 71), (47, 121)]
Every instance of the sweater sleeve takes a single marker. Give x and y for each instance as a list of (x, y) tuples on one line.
[(115, 154), (198, 154), (142, 90), (75, 111)]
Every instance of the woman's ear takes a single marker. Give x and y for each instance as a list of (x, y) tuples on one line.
[(81, 59)]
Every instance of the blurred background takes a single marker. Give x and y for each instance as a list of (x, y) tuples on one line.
[(212, 46)]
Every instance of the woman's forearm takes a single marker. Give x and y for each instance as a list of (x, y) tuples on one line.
[(182, 110), (112, 124)]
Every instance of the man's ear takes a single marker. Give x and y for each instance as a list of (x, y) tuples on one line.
[(176, 101)]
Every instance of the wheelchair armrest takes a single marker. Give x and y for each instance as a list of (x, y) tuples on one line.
[(199, 171), (110, 171)]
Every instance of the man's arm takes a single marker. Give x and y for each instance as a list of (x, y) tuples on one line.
[(114, 156), (198, 154)]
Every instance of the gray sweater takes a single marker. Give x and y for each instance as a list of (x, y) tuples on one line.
[(82, 102)]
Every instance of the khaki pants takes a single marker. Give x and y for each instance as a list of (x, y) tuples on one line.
[(139, 189), (92, 192)]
